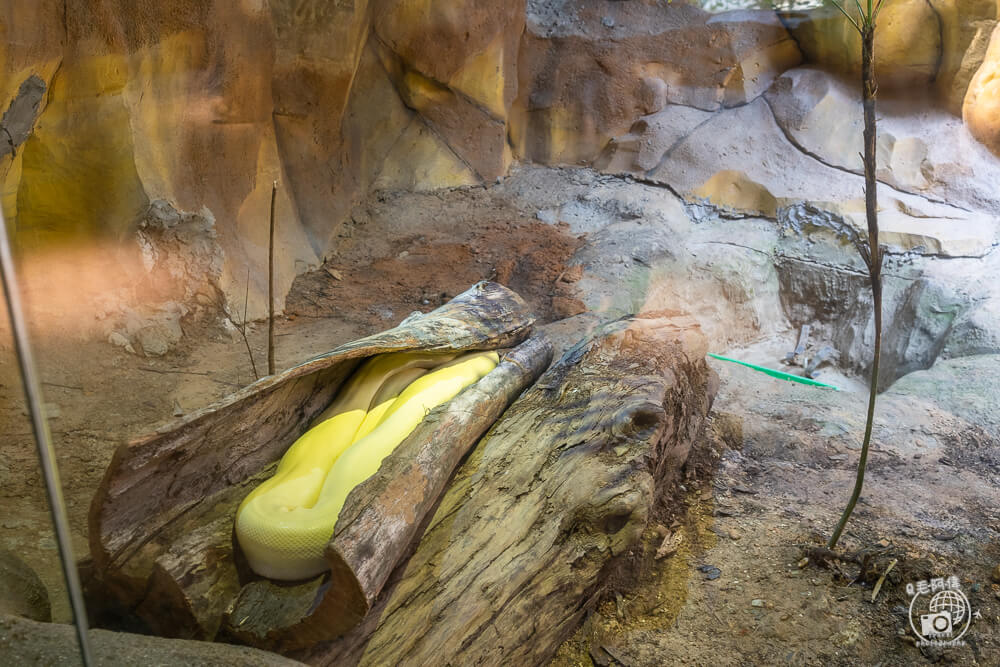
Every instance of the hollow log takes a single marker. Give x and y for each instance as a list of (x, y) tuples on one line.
[(166, 494), (546, 505), (382, 515)]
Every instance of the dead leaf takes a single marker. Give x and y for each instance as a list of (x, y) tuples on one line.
[(337, 275), (670, 545), (881, 580)]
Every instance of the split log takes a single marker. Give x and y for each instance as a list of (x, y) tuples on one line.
[(381, 515), (546, 505), (167, 493)]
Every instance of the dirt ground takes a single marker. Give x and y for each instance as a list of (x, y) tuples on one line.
[(741, 584)]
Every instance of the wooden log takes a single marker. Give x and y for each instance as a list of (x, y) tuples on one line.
[(177, 480), (550, 500), (381, 515), (193, 583)]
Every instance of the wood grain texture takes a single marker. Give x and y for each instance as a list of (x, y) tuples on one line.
[(382, 515), (552, 497), (162, 487)]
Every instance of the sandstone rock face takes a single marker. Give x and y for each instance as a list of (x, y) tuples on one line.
[(981, 109), (908, 39), (790, 157), (966, 26), (921, 149), (934, 45), (735, 191), (113, 105), (590, 69)]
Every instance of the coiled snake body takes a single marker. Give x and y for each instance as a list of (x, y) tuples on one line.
[(285, 523)]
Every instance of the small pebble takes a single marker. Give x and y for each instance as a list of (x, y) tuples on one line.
[(757, 603)]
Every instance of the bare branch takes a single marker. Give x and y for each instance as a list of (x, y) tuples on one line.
[(243, 327), (270, 286)]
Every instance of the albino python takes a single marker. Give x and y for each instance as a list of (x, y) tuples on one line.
[(285, 523)]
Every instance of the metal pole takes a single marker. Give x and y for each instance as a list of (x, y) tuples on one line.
[(43, 441)]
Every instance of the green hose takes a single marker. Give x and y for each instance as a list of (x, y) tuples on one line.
[(776, 374)]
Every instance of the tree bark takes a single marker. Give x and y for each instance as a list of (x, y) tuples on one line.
[(381, 516), (545, 507), (166, 486)]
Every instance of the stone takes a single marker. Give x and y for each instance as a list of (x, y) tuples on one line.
[(965, 387), (563, 307), (582, 84), (470, 47), (26, 642), (153, 341), (22, 592), (908, 38), (908, 163), (19, 118), (118, 339), (981, 108), (649, 139), (653, 94), (455, 65), (921, 148), (735, 191), (477, 138), (965, 31), (203, 105), (157, 338), (420, 160)]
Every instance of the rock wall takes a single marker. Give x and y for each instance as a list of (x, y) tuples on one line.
[(590, 69), (113, 108), (113, 105), (936, 46)]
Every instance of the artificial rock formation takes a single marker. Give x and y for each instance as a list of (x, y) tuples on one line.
[(981, 109), (921, 44), (113, 105), (589, 70), (908, 37)]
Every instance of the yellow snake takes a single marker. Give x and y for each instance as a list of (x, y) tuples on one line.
[(285, 523)]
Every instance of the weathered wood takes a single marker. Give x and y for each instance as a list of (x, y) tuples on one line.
[(192, 583), (551, 499), (193, 571), (175, 481), (382, 515)]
